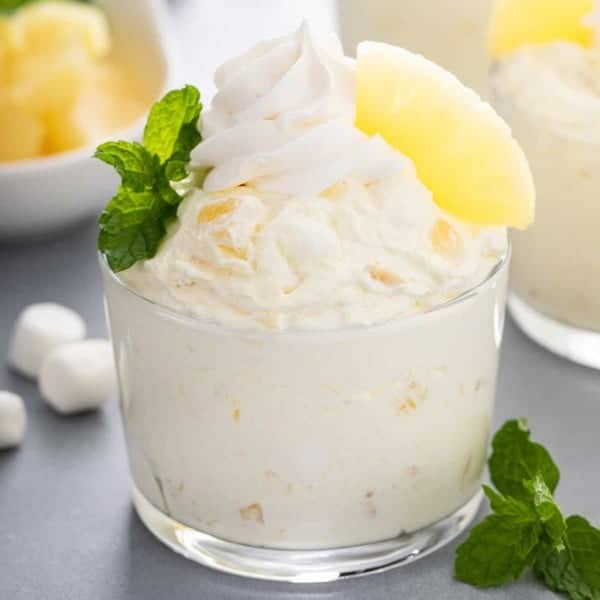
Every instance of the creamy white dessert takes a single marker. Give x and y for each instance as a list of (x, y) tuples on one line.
[(453, 34), (550, 95), (311, 439), (309, 360), (304, 221)]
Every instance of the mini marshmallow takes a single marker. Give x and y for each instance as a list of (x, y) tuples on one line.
[(13, 420), (39, 329), (78, 376)]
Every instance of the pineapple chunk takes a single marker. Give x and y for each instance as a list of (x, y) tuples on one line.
[(58, 89), (100, 109), (50, 27), (463, 152), (21, 135), (42, 83), (5, 54), (518, 22)]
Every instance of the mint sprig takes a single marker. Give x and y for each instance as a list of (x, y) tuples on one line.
[(527, 528), (135, 221)]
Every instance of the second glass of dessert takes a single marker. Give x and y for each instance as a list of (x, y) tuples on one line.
[(307, 344), (546, 81), (453, 34)]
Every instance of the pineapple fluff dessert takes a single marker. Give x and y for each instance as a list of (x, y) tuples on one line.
[(59, 87), (309, 358), (308, 221), (546, 81)]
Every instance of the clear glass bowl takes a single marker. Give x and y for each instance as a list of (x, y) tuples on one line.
[(555, 274), (307, 455)]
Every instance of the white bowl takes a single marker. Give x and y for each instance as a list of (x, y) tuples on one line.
[(45, 195)]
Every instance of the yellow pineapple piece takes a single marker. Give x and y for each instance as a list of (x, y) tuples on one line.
[(49, 27), (110, 101), (212, 212), (462, 150), (103, 106), (233, 252), (40, 83), (518, 22), (384, 276), (445, 240), (252, 512), (53, 67), (21, 133), (63, 131), (5, 48)]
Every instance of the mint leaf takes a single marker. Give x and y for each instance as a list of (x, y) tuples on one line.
[(135, 221), (171, 132), (573, 570), (557, 570), (517, 510), (136, 166), (188, 139), (502, 546), (132, 227), (515, 459), (583, 542), (167, 193), (498, 550), (10, 5), (548, 511)]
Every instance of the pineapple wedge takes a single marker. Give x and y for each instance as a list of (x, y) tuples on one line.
[(518, 22), (462, 150)]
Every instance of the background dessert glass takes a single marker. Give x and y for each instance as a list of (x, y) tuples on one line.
[(452, 34), (307, 455), (555, 275)]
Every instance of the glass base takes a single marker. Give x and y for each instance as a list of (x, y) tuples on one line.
[(302, 566), (578, 345)]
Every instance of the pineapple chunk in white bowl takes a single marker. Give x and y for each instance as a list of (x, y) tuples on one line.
[(44, 195)]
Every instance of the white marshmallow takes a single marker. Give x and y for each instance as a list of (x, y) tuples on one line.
[(13, 420), (78, 376), (39, 329)]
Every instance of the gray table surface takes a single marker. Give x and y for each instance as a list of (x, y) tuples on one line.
[(67, 529)]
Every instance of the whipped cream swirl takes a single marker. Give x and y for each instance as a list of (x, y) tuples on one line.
[(282, 121), (304, 221)]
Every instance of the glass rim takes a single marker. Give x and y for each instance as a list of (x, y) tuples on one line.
[(499, 267)]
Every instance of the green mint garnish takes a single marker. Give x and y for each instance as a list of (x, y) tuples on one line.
[(135, 221), (548, 512), (502, 546), (171, 132), (516, 459), (574, 570), (527, 528)]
